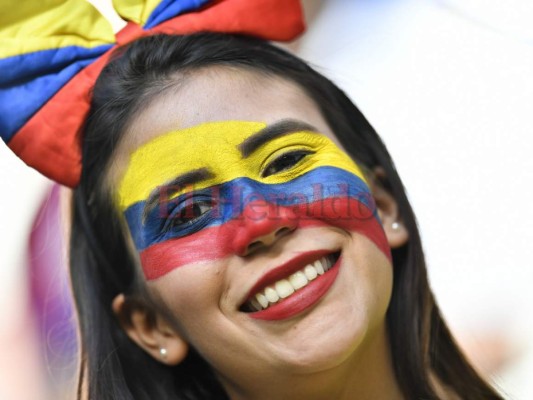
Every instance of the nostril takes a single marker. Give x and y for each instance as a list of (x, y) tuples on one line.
[(253, 247), (267, 240)]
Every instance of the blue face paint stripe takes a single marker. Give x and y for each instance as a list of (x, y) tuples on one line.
[(318, 184)]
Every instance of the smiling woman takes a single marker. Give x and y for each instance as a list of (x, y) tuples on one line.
[(240, 231)]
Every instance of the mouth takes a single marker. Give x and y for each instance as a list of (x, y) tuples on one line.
[(292, 287)]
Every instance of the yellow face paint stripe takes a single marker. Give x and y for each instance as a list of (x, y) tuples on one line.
[(214, 146)]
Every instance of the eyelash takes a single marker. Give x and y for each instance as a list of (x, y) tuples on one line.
[(181, 215), (299, 155)]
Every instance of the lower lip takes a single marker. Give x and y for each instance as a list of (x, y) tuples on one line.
[(302, 299)]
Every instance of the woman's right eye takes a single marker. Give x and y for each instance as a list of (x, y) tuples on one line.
[(284, 162), (188, 214)]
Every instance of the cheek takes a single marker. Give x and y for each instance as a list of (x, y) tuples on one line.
[(207, 246), (192, 293), (364, 292), (343, 200), (377, 274)]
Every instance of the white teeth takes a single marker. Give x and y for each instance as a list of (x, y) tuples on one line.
[(310, 272), (271, 294), (298, 280), (319, 267), (286, 287), (261, 298), (256, 305)]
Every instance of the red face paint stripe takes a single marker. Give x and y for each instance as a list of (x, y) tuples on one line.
[(219, 242)]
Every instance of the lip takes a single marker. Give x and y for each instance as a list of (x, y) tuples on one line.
[(301, 299)]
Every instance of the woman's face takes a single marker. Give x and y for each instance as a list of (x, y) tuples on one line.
[(256, 231)]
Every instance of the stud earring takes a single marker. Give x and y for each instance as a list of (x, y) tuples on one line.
[(163, 353), (395, 226)]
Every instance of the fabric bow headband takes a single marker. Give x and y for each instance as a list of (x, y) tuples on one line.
[(52, 51)]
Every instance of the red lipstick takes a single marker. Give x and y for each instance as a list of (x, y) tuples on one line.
[(301, 299)]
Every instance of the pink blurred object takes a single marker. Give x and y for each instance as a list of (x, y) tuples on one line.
[(51, 297)]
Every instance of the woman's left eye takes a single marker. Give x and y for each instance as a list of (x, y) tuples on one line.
[(284, 162)]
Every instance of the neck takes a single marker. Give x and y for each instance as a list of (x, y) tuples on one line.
[(366, 374)]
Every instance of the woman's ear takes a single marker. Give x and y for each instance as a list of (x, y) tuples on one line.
[(395, 229), (150, 330)]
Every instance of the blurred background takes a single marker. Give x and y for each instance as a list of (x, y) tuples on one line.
[(448, 84)]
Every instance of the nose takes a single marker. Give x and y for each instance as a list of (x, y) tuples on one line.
[(263, 225)]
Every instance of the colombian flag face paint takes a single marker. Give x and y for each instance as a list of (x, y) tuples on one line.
[(204, 193)]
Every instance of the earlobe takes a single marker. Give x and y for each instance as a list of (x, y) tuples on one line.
[(397, 234), (395, 230), (150, 331)]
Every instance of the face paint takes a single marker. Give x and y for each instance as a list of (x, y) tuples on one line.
[(192, 195)]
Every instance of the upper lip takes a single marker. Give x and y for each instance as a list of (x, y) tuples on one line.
[(286, 269)]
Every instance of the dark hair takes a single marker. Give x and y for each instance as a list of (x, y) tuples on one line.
[(112, 366)]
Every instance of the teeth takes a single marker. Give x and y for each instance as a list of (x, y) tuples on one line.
[(286, 287), (263, 301), (271, 294), (310, 272), (256, 305), (318, 266), (298, 280)]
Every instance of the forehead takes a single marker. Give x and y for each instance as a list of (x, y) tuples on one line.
[(218, 94)]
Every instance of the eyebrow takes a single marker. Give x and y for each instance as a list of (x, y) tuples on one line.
[(173, 186), (277, 129)]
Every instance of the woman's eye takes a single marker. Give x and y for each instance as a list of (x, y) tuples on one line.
[(189, 213), (284, 162)]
